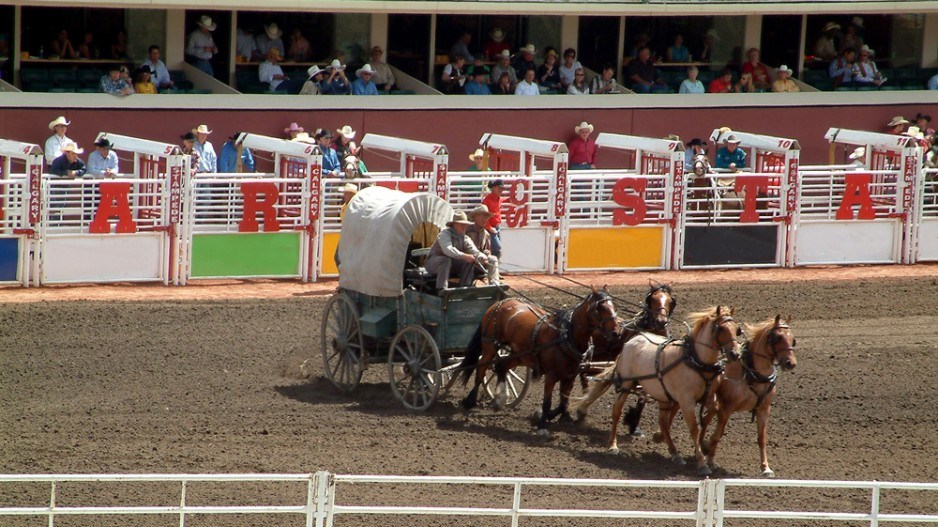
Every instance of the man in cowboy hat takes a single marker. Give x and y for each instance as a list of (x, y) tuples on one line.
[(454, 254), (495, 45), (383, 76), (57, 140), (363, 85), (337, 83), (270, 39), (825, 48), (504, 65), (293, 130), (235, 157), (208, 159), (897, 125), (313, 85), (731, 157), (270, 72), (68, 164), (477, 85), (524, 60), (582, 148), (865, 71), (103, 161), (480, 236), (783, 82), (478, 161), (330, 160), (200, 46)]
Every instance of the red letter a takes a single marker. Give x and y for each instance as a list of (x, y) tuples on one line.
[(113, 204), (857, 192)]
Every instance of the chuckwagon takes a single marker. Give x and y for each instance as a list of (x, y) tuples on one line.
[(386, 310)]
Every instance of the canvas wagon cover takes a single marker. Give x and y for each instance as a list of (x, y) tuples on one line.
[(376, 231)]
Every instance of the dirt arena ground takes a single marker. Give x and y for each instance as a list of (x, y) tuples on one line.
[(206, 379)]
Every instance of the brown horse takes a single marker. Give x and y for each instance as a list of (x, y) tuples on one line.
[(516, 333), (679, 374), (749, 384)]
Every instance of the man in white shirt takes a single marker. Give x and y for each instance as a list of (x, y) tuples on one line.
[(208, 159), (159, 75), (271, 72), (383, 76), (103, 162), (200, 46), (54, 144), (933, 83), (528, 86)]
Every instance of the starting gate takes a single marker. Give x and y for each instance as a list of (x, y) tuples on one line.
[(743, 218), (861, 213), (19, 211), (625, 218), (927, 223)]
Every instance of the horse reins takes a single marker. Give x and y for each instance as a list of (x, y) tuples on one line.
[(753, 377)]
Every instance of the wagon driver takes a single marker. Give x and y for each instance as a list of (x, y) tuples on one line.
[(479, 234), (454, 254)]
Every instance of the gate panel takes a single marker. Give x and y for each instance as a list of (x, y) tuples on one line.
[(104, 258), (246, 254), (9, 259), (636, 248), (853, 242), (14, 247), (731, 245), (928, 222)]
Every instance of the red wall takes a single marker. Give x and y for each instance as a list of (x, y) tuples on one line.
[(460, 130)]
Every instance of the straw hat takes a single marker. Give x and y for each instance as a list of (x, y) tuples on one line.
[(478, 154), (529, 49), (459, 217), (206, 22), (481, 209), (897, 120), (672, 137), (784, 69), (294, 127), (72, 147), (712, 33), (583, 125), (347, 132), (273, 32), (914, 131), (830, 26), (59, 121), (364, 69), (335, 64), (505, 54), (202, 129), (497, 34), (302, 137), (313, 71), (350, 187)]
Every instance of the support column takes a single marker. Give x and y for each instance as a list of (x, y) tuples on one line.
[(569, 32), (752, 38), (930, 41), (802, 46), (175, 51), (17, 43), (233, 52), (379, 31), (620, 53), (431, 51)]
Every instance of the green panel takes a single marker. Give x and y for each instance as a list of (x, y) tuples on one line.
[(246, 254)]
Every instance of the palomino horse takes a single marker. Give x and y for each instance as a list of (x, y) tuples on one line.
[(516, 333), (749, 384), (678, 374)]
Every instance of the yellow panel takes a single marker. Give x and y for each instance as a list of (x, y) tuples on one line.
[(330, 242), (615, 247)]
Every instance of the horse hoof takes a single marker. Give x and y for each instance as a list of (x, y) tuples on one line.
[(657, 437), (543, 432), (638, 433), (613, 450), (704, 471), (768, 473), (566, 418), (678, 460)]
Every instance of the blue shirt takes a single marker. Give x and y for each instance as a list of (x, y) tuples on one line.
[(111, 86), (680, 54), (228, 160), (692, 87), (360, 87), (474, 88), (330, 161), (724, 158), (336, 87), (208, 160), (97, 164)]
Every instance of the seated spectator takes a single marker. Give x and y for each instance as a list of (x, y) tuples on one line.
[(68, 164), (504, 85), (825, 47), (103, 163), (524, 60), (784, 84), (200, 46), (461, 47), (604, 82), (548, 74), (62, 47), (143, 81), (641, 41), (760, 73), (696, 147), (731, 157), (923, 121), (58, 140), (119, 47), (841, 70), (711, 37), (495, 45), (293, 131), (641, 72), (479, 234), (363, 85), (336, 83), (865, 71), (270, 38), (300, 50), (270, 72), (229, 162), (579, 85), (88, 50), (932, 82), (453, 78), (330, 160), (582, 148), (745, 85), (897, 125), (691, 84), (851, 37), (344, 145), (312, 84), (159, 75), (504, 66), (383, 76), (476, 85), (245, 46), (678, 52), (569, 67), (723, 83), (527, 86), (114, 82)]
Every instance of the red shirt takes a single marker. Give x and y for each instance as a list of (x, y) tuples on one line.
[(582, 152), (494, 204), (759, 72), (718, 86)]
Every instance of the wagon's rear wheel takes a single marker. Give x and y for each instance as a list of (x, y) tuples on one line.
[(341, 343), (414, 368), (517, 383)]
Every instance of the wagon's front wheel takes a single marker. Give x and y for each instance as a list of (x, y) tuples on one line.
[(341, 343), (414, 368), (517, 382)]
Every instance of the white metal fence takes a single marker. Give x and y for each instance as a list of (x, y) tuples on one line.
[(323, 500)]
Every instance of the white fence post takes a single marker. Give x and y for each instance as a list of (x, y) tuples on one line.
[(706, 502), (325, 498), (182, 505), (874, 507), (516, 505)]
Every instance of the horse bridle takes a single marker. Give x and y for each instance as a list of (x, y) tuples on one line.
[(726, 349), (599, 321), (774, 339), (646, 304)]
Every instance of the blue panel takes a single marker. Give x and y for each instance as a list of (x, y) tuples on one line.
[(9, 258)]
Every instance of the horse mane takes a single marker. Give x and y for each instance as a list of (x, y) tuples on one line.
[(698, 319), (759, 332)]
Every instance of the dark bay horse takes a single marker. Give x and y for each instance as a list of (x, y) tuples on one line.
[(749, 384), (516, 333), (679, 374)]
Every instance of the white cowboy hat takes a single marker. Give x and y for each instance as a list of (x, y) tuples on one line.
[(313, 71), (294, 127), (732, 139), (505, 54), (302, 137), (459, 217), (866, 49), (351, 160), (529, 49), (273, 32), (335, 64), (202, 129), (784, 69), (481, 209), (915, 131), (478, 154), (72, 147), (364, 69), (497, 34), (583, 125), (713, 34), (859, 153), (350, 187), (206, 22), (347, 132), (897, 120), (59, 121), (829, 26)]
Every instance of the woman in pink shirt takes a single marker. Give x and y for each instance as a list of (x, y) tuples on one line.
[(582, 148)]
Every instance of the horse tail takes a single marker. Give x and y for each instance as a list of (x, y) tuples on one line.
[(603, 382), (473, 352)]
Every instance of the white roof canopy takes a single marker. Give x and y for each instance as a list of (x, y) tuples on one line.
[(403, 146), (872, 139), (523, 144), (632, 142), (139, 146), (18, 150), (277, 145), (762, 142)]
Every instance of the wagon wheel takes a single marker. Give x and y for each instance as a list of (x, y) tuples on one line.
[(341, 343), (414, 368), (518, 381)]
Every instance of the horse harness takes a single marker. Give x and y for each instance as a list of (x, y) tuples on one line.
[(753, 377)]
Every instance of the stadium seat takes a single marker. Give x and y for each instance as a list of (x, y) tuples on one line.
[(61, 90), (402, 92), (28, 75), (38, 85)]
